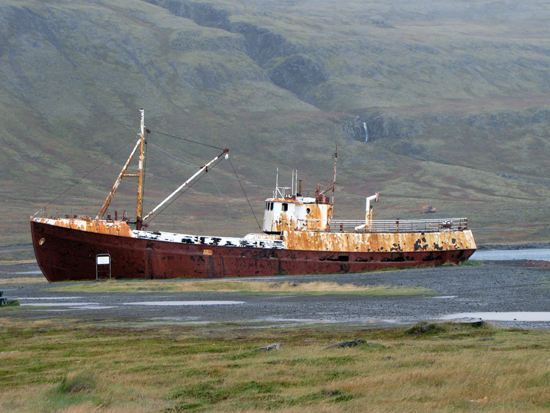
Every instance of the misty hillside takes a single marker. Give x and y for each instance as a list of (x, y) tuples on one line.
[(430, 102)]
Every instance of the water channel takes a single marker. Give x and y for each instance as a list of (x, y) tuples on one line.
[(507, 255)]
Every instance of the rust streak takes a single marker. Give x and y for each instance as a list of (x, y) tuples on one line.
[(363, 242)]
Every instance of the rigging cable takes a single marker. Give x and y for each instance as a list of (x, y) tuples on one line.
[(257, 222), (222, 197), (181, 161), (187, 140), (183, 192), (81, 179), (174, 158)]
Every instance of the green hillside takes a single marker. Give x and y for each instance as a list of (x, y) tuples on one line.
[(430, 102)]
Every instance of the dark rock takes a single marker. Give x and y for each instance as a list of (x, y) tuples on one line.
[(477, 323), (347, 344), (297, 74), (275, 346), (423, 328), (354, 343), (261, 44)]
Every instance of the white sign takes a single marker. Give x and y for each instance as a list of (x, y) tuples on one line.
[(103, 260)]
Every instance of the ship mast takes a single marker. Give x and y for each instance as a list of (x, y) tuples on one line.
[(140, 170), (141, 145)]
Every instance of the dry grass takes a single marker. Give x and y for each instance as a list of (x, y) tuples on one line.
[(18, 262), (24, 280), (255, 287), (74, 367)]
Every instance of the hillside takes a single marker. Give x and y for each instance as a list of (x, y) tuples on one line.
[(430, 102)]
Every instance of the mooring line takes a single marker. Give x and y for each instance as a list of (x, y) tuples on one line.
[(187, 140)]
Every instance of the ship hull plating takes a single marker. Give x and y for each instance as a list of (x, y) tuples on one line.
[(68, 254)]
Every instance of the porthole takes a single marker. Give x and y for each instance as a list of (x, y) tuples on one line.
[(42, 241), (308, 211)]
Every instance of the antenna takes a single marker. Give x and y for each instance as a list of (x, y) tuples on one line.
[(276, 184), (292, 184), (334, 181)]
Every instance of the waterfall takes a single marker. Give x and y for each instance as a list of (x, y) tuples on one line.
[(366, 132)]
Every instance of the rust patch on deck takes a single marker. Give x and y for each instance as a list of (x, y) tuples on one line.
[(91, 225)]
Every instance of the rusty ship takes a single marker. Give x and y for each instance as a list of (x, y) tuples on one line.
[(299, 236)]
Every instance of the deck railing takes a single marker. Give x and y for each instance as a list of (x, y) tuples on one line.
[(395, 225), (398, 225)]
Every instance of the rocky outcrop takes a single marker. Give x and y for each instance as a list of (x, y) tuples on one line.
[(371, 127), (297, 74), (375, 126), (286, 65), (261, 44), (202, 14)]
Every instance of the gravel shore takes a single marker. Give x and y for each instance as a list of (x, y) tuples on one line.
[(504, 286)]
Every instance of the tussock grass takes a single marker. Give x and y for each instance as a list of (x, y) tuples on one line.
[(250, 287), (75, 383), (77, 367)]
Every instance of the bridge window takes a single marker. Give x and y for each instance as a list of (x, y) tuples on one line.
[(285, 207)]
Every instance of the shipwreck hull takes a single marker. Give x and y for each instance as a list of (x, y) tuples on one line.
[(68, 254)]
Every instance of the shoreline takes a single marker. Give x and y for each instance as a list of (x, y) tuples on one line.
[(517, 247)]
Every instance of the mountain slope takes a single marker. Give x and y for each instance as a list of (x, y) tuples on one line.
[(429, 102)]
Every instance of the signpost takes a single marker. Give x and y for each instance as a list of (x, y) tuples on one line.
[(102, 265)]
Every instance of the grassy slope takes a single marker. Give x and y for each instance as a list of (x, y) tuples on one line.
[(76, 72), (452, 367)]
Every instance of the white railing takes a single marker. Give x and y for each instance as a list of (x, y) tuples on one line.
[(398, 225), (394, 225)]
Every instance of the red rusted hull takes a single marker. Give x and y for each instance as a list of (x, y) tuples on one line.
[(70, 254)]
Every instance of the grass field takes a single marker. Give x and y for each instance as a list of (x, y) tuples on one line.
[(78, 367)]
